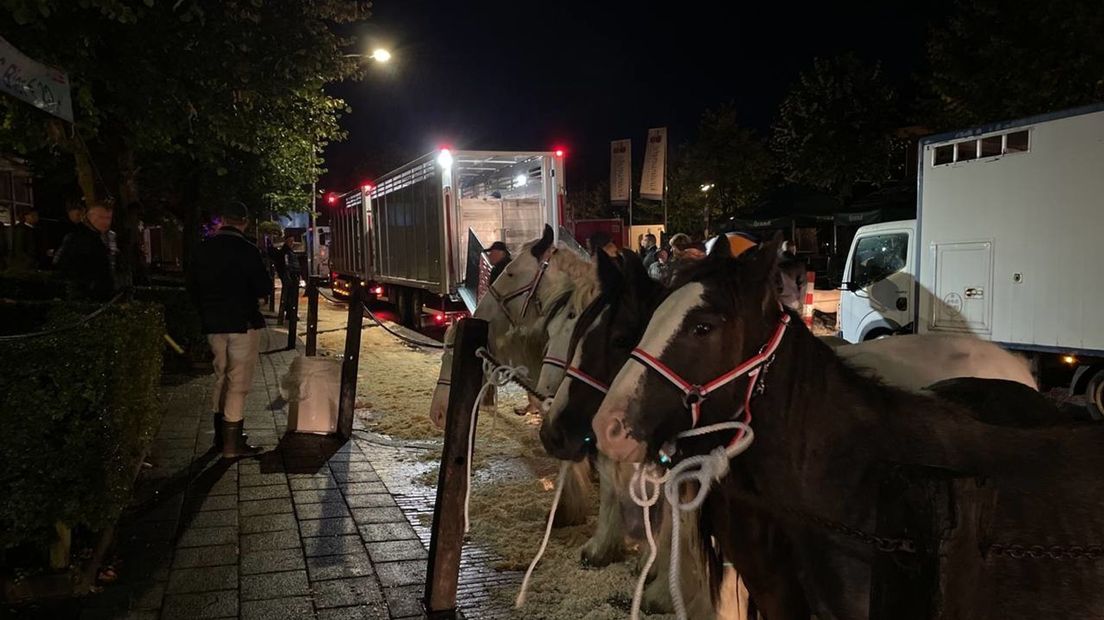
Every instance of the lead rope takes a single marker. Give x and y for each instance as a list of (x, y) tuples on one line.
[(493, 375), (520, 601), (704, 469)]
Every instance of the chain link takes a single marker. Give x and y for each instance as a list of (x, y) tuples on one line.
[(1051, 552)]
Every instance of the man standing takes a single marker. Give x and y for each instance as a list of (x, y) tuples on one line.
[(289, 275), (86, 255), (499, 255), (648, 250), (27, 243), (226, 280)]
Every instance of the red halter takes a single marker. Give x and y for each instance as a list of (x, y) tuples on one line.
[(693, 395)]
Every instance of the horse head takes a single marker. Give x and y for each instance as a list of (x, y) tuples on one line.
[(719, 314), (603, 336)]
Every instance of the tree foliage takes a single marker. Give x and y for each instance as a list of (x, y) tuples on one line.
[(836, 127), (728, 158), (182, 101), (1003, 59)]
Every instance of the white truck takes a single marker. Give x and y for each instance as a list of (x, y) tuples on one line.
[(1007, 244)]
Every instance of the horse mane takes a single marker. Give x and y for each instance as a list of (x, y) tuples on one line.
[(582, 274)]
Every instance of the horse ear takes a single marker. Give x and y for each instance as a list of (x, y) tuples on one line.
[(542, 246), (721, 249), (610, 278)]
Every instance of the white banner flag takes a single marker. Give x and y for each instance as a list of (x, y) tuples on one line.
[(654, 179), (620, 171), (43, 87)]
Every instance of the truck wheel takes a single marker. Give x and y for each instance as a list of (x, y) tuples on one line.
[(1094, 395), (878, 334)]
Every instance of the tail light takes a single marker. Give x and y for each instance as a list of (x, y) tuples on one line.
[(378, 290)]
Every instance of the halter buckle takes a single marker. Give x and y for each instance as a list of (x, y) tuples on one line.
[(694, 396)]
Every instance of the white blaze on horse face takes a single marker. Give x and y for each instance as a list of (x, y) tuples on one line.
[(559, 401), (622, 401)]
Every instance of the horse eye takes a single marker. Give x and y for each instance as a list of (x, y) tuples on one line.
[(702, 329)]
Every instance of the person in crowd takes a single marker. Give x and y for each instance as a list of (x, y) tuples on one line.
[(87, 256), (657, 270), (791, 273), (499, 256), (289, 276), (28, 250), (226, 280), (648, 250)]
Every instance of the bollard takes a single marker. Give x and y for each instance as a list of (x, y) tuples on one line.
[(293, 314), (807, 307), (272, 295), (312, 315), (351, 361), (443, 568)]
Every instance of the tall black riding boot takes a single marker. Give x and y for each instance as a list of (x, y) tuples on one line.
[(233, 441)]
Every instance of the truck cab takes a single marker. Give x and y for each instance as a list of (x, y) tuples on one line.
[(879, 283)]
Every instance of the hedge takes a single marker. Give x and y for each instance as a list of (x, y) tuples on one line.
[(78, 410)]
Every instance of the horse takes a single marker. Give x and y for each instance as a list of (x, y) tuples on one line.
[(720, 348), (519, 307)]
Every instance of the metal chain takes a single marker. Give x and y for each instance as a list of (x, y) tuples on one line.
[(1052, 552)]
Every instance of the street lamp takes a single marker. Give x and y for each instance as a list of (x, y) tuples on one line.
[(379, 55)]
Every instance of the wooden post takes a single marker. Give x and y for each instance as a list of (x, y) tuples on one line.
[(448, 512), (312, 315), (350, 363), (272, 295), (293, 314)]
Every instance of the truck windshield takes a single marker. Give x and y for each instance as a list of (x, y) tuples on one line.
[(878, 257)]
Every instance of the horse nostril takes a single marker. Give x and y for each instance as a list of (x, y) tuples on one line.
[(614, 431)]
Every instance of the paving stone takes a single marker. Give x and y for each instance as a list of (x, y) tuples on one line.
[(208, 536), (405, 601), (274, 585), (325, 510), (278, 609), (147, 596), (148, 532), (201, 605), (346, 592), (374, 500), (194, 557), (378, 515), (225, 486), (259, 479), (268, 523), (327, 527), (332, 545), (343, 476), (266, 492), (272, 561), (286, 539), (302, 484), (376, 532), (264, 507), (362, 488), (406, 573), (377, 611), (316, 496), (217, 502), (206, 579), (393, 550), (339, 566), (212, 518), (336, 466)]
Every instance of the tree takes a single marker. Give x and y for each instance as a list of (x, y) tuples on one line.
[(836, 127), (998, 60), (591, 202), (186, 103), (729, 160)]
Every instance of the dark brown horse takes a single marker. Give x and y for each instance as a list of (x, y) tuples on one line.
[(822, 437)]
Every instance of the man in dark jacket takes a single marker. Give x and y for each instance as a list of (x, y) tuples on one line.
[(499, 256), (226, 280), (86, 258)]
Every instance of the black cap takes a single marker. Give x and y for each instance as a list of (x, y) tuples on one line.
[(497, 245), (235, 210)]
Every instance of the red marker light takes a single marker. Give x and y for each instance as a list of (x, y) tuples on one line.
[(331, 198), (559, 152), (378, 290), (440, 318), (367, 188)]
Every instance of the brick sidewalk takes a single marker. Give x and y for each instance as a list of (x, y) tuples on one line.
[(306, 530)]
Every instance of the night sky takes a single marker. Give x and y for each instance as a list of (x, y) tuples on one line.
[(489, 74)]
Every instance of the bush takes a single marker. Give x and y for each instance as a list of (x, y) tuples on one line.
[(34, 285), (78, 409), (182, 320)]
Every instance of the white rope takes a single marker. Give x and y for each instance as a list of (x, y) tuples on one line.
[(703, 469), (547, 534), (638, 491), (497, 376)]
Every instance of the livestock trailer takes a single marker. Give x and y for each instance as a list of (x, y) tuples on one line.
[(414, 236)]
